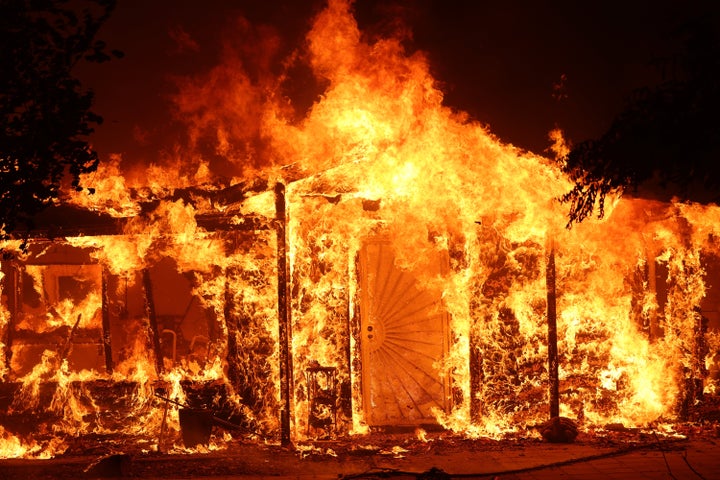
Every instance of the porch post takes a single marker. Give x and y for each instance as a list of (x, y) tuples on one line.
[(284, 326), (107, 344), (552, 331), (152, 317)]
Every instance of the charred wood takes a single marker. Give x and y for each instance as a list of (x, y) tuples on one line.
[(107, 344), (152, 318), (553, 366), (284, 322)]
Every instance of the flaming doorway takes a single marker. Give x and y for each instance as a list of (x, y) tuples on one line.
[(403, 341)]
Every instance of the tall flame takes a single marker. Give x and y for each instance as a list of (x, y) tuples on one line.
[(403, 217)]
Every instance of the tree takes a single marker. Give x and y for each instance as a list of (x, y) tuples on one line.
[(666, 141), (44, 110)]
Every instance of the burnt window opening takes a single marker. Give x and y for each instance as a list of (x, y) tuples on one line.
[(185, 327), (56, 318)]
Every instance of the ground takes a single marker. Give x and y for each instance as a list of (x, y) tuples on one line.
[(691, 452)]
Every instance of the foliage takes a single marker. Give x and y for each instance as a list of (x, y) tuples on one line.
[(668, 136), (44, 110)]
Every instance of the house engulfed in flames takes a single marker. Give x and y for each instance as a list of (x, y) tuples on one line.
[(400, 271)]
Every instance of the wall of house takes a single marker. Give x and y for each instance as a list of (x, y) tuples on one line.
[(202, 332)]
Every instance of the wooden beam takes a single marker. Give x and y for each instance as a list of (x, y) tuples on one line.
[(152, 317), (284, 319), (552, 332), (107, 345)]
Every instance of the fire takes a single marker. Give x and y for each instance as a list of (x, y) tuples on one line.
[(384, 265)]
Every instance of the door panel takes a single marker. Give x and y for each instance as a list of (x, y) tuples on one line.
[(404, 338)]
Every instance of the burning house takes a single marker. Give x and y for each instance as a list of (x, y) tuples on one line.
[(397, 267)]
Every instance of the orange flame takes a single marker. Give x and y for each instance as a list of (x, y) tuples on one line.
[(416, 248)]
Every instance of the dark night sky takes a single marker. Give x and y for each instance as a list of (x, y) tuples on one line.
[(498, 61)]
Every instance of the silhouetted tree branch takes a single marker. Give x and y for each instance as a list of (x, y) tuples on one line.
[(44, 110), (667, 138)]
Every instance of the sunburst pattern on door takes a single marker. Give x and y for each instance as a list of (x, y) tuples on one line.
[(403, 339)]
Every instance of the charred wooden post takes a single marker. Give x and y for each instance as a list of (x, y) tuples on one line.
[(552, 332), (106, 324), (13, 276), (353, 329), (476, 379), (353, 346), (152, 317), (284, 326)]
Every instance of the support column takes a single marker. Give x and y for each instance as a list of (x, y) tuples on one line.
[(152, 317), (284, 325), (107, 344), (553, 374)]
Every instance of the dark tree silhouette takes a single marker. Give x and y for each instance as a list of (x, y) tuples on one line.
[(44, 110), (666, 143)]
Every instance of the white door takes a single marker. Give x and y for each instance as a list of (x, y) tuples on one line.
[(403, 341)]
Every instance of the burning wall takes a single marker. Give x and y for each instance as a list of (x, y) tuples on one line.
[(403, 266), (100, 332), (422, 323), (637, 321)]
